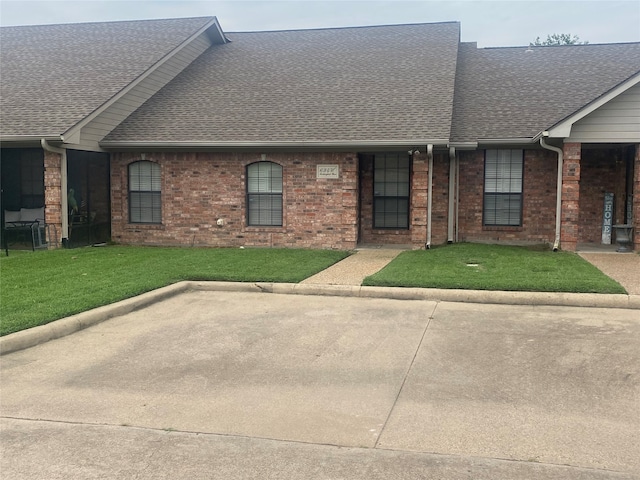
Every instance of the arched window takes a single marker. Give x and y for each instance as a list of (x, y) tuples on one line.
[(144, 193), (264, 194)]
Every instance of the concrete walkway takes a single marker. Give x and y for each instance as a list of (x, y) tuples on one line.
[(355, 268), (624, 268)]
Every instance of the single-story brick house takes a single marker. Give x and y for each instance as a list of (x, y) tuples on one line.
[(173, 132)]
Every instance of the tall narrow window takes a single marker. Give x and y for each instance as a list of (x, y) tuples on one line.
[(264, 194), (144, 193), (391, 191), (32, 178), (503, 187)]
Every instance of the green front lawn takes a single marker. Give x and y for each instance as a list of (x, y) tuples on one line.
[(494, 267), (39, 287)]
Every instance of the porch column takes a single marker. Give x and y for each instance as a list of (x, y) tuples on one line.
[(636, 200), (570, 196), (53, 191), (418, 205), (350, 201)]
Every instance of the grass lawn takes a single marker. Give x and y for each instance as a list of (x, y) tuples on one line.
[(39, 287), (494, 267)]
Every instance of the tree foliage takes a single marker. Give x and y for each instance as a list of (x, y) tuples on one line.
[(558, 39)]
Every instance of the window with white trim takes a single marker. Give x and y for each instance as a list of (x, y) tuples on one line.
[(145, 203), (264, 194), (503, 187)]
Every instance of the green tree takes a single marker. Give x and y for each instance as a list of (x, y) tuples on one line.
[(558, 39)]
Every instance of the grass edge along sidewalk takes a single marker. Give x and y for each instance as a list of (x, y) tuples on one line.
[(40, 287), (37, 288), (494, 267)]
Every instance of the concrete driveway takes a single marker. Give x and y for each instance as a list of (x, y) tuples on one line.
[(252, 385)]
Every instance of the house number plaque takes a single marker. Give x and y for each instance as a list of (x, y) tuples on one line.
[(327, 171)]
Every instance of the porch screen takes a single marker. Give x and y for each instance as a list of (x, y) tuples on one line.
[(144, 193), (391, 191), (264, 194), (503, 187)]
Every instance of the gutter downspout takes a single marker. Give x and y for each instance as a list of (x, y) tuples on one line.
[(427, 245), (556, 243), (63, 187), (457, 199), (452, 182)]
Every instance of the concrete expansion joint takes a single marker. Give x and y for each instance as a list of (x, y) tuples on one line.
[(66, 326)]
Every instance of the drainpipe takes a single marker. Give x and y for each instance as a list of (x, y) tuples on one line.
[(63, 187), (457, 198), (556, 243), (452, 182), (429, 195)]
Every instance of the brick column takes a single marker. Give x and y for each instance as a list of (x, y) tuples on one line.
[(350, 201), (418, 201), (636, 200), (570, 196), (53, 192)]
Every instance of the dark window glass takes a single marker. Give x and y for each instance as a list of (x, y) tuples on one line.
[(391, 177), (503, 187), (144, 193), (264, 194)]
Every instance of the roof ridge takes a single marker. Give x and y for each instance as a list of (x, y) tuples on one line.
[(353, 27), (111, 22), (558, 46)]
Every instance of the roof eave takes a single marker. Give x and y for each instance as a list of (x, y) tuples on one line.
[(29, 140), (216, 36), (562, 129), (270, 145)]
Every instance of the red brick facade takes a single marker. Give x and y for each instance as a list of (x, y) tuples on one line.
[(53, 191), (539, 200), (200, 188), (570, 196)]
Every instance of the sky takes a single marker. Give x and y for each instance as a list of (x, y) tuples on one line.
[(489, 23)]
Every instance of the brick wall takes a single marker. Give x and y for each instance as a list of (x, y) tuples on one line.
[(53, 192), (368, 234), (539, 200), (200, 188), (416, 234), (440, 199)]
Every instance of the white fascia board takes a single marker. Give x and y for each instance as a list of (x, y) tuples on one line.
[(24, 141), (74, 131), (464, 145), (505, 141), (562, 129), (359, 144)]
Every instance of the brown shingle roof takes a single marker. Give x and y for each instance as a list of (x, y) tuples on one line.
[(347, 84), (55, 75), (512, 93)]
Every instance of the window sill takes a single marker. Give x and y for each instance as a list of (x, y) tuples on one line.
[(264, 228), (502, 228), (144, 226)]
